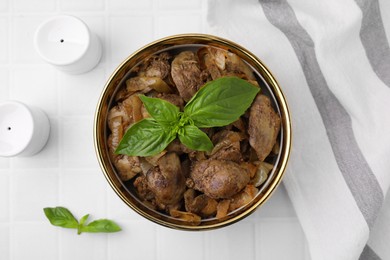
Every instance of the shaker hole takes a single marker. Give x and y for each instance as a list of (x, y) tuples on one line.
[(62, 40), (9, 128)]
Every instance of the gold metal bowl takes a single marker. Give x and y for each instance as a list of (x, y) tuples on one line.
[(118, 77)]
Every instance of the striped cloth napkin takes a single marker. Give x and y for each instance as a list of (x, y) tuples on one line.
[(332, 59)]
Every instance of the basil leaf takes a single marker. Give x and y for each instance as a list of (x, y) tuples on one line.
[(195, 139), (145, 138), (81, 224), (161, 110), (101, 225), (84, 219), (220, 102), (61, 217)]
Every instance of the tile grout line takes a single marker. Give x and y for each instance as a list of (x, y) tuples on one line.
[(10, 221), (157, 246), (10, 161), (60, 156), (204, 244), (258, 241), (254, 225)]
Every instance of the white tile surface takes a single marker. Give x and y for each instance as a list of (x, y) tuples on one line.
[(4, 87), (33, 6), (127, 34), (88, 88), (4, 241), (125, 5), (137, 233), (233, 242), (75, 192), (36, 87), (189, 242), (21, 33), (3, 5), (175, 24), (83, 246), (179, 4), (85, 5), (4, 198), (4, 30), (26, 245), (77, 142), (67, 173), (117, 209), (31, 191), (4, 163)]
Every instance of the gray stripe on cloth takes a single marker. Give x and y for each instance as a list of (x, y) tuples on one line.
[(373, 37), (357, 173), (369, 254)]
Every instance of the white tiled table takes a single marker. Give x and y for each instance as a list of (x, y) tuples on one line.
[(66, 172)]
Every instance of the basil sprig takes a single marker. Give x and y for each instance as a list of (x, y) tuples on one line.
[(62, 217), (218, 103)]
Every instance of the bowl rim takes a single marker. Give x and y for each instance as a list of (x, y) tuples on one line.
[(243, 53)]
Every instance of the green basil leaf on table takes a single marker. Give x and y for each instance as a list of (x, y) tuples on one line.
[(145, 138), (220, 102), (195, 139), (162, 111), (61, 217), (101, 225)]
